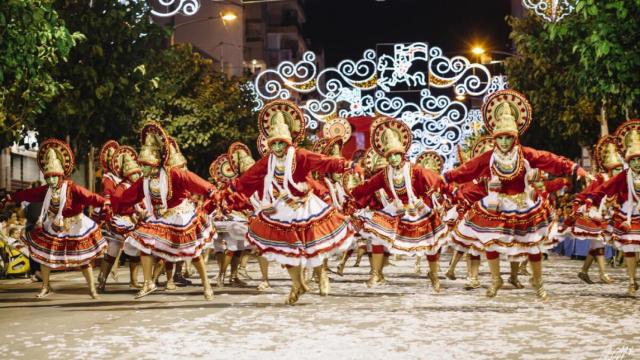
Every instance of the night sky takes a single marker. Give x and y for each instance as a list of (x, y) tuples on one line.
[(345, 28)]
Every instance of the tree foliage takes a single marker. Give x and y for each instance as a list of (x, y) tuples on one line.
[(203, 109), (33, 40), (574, 69), (102, 100)]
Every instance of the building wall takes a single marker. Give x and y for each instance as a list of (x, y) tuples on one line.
[(222, 41)]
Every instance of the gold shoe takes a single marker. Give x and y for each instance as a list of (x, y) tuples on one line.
[(324, 284), (375, 279), (263, 286), (585, 277), (220, 281), (135, 285), (633, 289), (44, 292), (170, 286), (540, 291), (451, 275), (605, 278), (93, 293), (496, 284), (472, 284), (340, 269), (435, 282), (147, 288), (208, 293), (294, 295), (515, 282)]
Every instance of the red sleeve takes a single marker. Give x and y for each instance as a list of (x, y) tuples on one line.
[(554, 185), (192, 182), (108, 187), (615, 186), (363, 192), (432, 182), (548, 162), (123, 199), (253, 179), (86, 197), (470, 170), (30, 195), (321, 163), (471, 192)]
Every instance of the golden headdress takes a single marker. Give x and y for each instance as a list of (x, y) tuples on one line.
[(154, 148), (390, 136), (105, 154), (240, 158), (628, 139), (606, 153), (55, 158), (175, 158), (431, 160), (119, 160), (282, 120), (507, 112)]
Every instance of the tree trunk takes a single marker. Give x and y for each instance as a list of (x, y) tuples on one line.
[(91, 171), (604, 123)]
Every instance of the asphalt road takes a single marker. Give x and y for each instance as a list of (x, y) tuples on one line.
[(402, 320)]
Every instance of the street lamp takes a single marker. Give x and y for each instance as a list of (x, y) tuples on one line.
[(477, 50), (228, 16)]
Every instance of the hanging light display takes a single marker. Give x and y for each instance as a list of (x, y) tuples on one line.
[(551, 10), (415, 83)]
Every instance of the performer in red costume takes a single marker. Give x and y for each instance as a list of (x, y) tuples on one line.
[(591, 224), (625, 189), (109, 182), (63, 238), (408, 223), (511, 219), (170, 228), (124, 164), (293, 225)]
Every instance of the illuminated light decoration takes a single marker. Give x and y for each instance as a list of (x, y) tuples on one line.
[(183, 7), (498, 82), (369, 87), (551, 10)]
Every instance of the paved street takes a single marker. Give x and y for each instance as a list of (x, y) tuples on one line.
[(402, 320)]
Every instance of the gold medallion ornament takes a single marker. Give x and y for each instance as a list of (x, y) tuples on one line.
[(106, 153), (628, 139), (175, 158), (431, 160), (390, 136), (507, 112), (55, 158), (482, 145), (282, 120), (154, 145), (606, 154), (118, 161), (240, 157), (221, 170), (373, 162), (337, 127)]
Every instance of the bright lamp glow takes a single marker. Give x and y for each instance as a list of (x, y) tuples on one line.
[(229, 16), (477, 50)]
